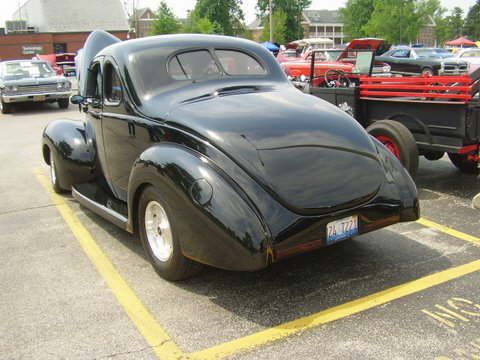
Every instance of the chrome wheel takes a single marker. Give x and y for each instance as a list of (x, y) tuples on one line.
[(53, 174), (158, 231)]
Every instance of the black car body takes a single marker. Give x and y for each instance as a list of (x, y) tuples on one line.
[(31, 81), (245, 168), (434, 61)]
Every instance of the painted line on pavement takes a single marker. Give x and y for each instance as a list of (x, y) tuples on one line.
[(449, 231), (163, 346)]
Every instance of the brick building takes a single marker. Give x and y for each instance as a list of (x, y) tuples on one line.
[(142, 21), (56, 26), (316, 24)]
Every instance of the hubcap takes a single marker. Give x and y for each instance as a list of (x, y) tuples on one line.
[(53, 175), (390, 144), (158, 231)]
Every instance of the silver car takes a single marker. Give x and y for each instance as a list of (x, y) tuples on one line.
[(31, 81)]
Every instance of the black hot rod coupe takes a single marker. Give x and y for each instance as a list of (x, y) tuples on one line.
[(201, 145)]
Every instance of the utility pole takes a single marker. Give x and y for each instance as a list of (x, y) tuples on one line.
[(271, 22)]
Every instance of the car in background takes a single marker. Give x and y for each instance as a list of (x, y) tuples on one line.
[(31, 81), (63, 63), (340, 60), (470, 55), (425, 61)]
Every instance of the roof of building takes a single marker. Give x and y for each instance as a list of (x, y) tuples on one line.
[(322, 16), (73, 15), (140, 13)]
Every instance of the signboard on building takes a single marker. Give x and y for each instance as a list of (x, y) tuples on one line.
[(32, 49)]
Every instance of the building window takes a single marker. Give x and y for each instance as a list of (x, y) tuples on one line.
[(59, 48)]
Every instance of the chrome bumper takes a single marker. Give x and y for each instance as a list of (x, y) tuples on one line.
[(36, 97)]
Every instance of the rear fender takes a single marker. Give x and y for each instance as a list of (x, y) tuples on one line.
[(73, 150), (213, 221)]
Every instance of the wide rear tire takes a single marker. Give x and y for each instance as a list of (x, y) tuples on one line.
[(462, 163), (158, 233), (399, 140)]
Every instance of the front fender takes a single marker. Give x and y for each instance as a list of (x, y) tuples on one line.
[(214, 220), (73, 150)]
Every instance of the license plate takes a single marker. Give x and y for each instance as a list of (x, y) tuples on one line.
[(39, 98), (342, 229)]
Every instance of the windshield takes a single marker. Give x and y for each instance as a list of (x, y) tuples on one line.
[(333, 55), (26, 69)]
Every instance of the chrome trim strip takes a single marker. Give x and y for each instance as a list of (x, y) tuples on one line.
[(106, 213)]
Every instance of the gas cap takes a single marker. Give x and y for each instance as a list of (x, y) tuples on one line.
[(201, 191)]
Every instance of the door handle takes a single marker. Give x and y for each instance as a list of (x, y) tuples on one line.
[(131, 129)]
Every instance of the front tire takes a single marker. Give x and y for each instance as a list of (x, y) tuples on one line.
[(462, 163), (157, 228), (5, 108), (399, 140), (63, 103), (54, 176)]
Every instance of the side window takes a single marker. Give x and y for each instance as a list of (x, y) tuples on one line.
[(401, 54), (193, 65), (94, 82), (238, 63), (113, 86)]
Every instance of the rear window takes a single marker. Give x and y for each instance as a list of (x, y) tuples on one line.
[(239, 63), (193, 65)]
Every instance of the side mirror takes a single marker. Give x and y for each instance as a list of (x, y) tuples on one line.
[(77, 99)]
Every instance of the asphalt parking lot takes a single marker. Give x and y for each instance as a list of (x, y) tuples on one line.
[(74, 286)]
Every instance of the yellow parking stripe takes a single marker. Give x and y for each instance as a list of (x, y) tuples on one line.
[(449, 231), (338, 312), (165, 347), (154, 334)]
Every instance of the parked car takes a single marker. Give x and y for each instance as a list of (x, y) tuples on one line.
[(333, 60), (201, 145), (63, 63), (31, 81), (470, 55), (425, 61)]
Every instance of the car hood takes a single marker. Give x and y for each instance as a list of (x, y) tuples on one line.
[(306, 152), (34, 81)]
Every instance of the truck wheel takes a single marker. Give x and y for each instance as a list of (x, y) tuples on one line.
[(157, 227), (63, 103), (427, 72), (463, 164), (399, 140), (5, 108)]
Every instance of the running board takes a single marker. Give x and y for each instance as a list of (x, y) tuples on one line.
[(104, 204)]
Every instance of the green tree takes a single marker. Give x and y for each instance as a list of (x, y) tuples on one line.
[(355, 16), (293, 10), (226, 15), (165, 21), (279, 19), (409, 17), (472, 22), (450, 27), (196, 24)]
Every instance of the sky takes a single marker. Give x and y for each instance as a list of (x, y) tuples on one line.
[(180, 7)]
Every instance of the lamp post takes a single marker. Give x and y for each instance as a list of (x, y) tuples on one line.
[(271, 22)]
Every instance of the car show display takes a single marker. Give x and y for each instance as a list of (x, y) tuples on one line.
[(201, 145), (429, 61), (24, 81), (412, 115)]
